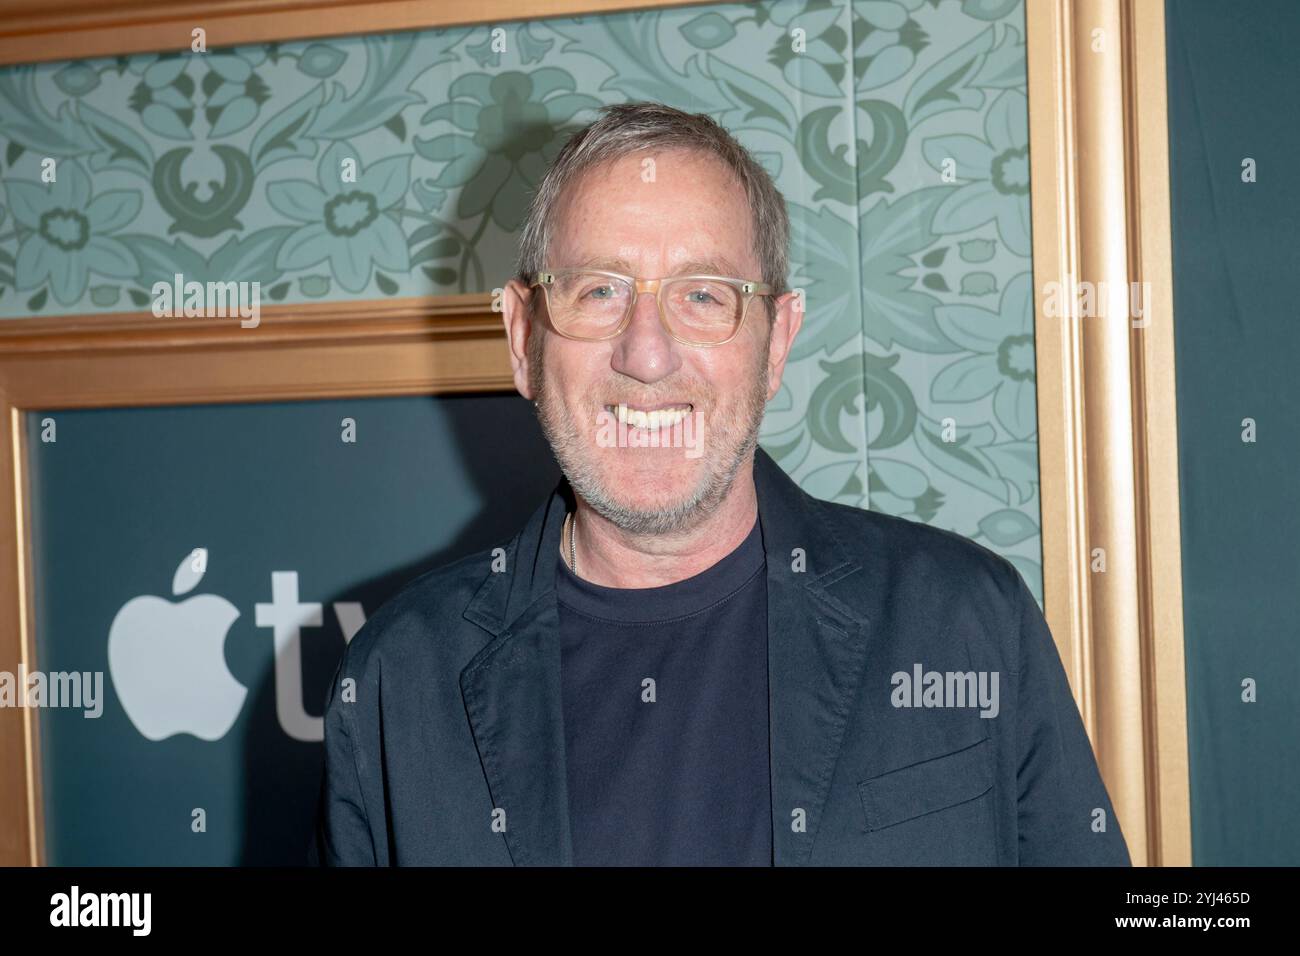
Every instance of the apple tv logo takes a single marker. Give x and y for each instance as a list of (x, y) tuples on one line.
[(168, 666)]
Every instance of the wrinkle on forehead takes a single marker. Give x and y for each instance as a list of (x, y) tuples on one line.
[(713, 265), (680, 259)]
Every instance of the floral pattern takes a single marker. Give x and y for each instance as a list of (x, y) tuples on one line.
[(998, 169), (69, 233), (897, 130), (1002, 362), (347, 224)]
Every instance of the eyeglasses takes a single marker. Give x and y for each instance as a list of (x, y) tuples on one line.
[(591, 305)]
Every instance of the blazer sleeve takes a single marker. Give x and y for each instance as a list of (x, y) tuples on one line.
[(342, 835), (1060, 789)]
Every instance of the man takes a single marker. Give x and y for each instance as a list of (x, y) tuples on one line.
[(683, 658)]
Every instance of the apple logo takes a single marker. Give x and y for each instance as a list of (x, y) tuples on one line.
[(167, 660)]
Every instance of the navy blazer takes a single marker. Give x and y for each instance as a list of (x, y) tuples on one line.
[(444, 739)]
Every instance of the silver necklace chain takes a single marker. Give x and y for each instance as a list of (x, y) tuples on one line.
[(573, 550)]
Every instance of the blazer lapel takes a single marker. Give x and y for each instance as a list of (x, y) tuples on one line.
[(512, 695), (817, 652)]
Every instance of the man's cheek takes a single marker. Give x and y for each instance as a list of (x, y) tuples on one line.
[(694, 430)]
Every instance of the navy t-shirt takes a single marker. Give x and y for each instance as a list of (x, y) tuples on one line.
[(666, 717)]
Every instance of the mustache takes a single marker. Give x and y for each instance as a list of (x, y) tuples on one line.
[(695, 395)]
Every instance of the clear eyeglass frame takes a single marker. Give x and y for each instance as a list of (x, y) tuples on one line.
[(749, 289)]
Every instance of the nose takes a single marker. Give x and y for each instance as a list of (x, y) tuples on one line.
[(645, 351)]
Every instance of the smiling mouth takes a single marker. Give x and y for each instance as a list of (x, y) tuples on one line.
[(665, 416)]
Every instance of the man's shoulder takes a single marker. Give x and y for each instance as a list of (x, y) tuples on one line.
[(421, 618), (908, 539), (910, 556)]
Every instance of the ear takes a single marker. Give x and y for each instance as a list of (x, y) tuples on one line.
[(789, 319), (515, 299)]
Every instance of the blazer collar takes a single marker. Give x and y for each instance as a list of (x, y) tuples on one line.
[(817, 651)]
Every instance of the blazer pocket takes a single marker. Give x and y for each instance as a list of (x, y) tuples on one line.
[(925, 787)]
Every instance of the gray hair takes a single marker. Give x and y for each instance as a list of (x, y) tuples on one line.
[(627, 128)]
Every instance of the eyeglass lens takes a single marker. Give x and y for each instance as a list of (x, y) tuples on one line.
[(587, 305)]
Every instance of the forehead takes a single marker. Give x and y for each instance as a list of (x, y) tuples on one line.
[(705, 264), (673, 211)]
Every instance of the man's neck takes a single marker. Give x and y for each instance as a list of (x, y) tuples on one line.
[(614, 558)]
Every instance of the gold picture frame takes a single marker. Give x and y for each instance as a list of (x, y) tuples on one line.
[(433, 345), (1107, 406), (1106, 402)]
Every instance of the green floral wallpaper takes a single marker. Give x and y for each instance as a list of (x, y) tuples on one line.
[(897, 130)]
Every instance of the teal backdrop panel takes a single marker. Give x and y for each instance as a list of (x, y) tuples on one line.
[(401, 165), (1233, 86), (293, 519)]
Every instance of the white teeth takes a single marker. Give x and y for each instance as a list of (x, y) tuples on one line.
[(655, 420)]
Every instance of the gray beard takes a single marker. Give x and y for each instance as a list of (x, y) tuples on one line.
[(723, 456)]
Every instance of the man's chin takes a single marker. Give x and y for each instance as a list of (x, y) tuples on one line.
[(667, 468), (647, 500), (653, 485)]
